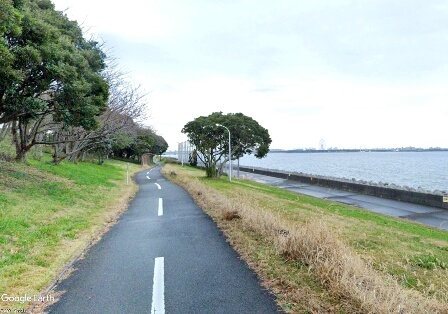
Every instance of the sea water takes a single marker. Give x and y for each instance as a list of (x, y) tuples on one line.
[(426, 170)]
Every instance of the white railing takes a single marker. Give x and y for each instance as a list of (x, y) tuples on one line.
[(184, 150)]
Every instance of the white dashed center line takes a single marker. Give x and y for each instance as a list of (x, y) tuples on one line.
[(160, 213), (158, 288)]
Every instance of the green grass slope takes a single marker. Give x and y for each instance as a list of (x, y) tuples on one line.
[(48, 214)]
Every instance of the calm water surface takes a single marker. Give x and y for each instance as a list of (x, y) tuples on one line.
[(428, 170)]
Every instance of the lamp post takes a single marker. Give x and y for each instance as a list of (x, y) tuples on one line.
[(230, 152)]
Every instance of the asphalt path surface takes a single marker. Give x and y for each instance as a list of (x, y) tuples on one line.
[(163, 256)]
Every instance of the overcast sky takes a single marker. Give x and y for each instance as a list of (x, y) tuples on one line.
[(356, 73)]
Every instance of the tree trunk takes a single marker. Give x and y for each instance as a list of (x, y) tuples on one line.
[(210, 170), (56, 154), (17, 136)]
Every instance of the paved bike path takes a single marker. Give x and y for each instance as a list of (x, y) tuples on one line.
[(164, 255)]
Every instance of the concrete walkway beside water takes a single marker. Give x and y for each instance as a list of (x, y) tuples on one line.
[(431, 216)]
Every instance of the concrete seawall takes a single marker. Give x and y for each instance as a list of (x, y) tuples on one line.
[(428, 199)]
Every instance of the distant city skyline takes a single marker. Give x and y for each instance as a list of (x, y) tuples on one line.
[(355, 73), (320, 148)]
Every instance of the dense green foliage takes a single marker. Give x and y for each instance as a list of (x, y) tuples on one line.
[(58, 88), (132, 146), (50, 73), (211, 139)]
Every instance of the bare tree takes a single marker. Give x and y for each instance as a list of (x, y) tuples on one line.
[(126, 107)]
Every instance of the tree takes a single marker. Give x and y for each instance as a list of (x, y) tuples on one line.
[(193, 158), (143, 141), (10, 23), (160, 146), (49, 73), (126, 107), (211, 141)]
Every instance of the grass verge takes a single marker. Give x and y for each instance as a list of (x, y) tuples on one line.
[(49, 214), (323, 257)]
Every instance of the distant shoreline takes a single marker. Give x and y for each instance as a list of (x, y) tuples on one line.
[(374, 150)]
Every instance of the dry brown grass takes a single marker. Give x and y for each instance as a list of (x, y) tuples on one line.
[(339, 280)]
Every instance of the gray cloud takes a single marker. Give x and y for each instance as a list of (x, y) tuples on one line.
[(381, 39), (385, 39)]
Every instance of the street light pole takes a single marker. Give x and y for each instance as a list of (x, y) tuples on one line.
[(230, 152)]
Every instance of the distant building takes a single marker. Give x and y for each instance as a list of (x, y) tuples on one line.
[(322, 145)]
